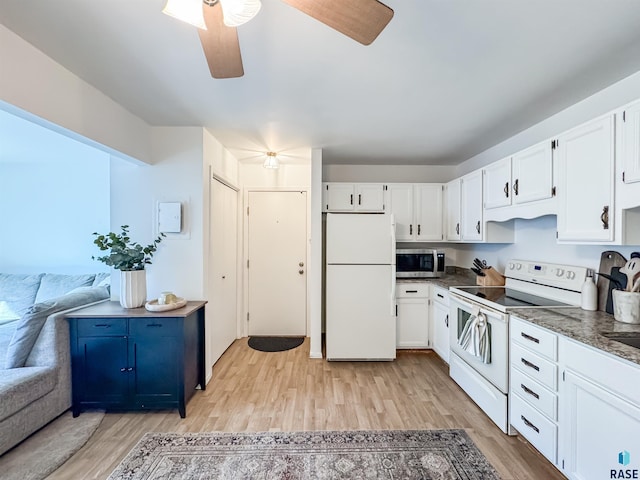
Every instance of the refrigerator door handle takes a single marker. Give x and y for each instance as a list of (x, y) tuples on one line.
[(393, 292)]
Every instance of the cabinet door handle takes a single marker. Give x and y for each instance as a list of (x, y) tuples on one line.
[(527, 363), (515, 187), (529, 424), (457, 229), (102, 325), (410, 229), (446, 320), (412, 291), (123, 369), (604, 217), (478, 227), (351, 199), (130, 369), (529, 337), (359, 199), (529, 391), (418, 229), (396, 310), (506, 189)]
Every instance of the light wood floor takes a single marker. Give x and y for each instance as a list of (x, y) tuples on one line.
[(287, 391)]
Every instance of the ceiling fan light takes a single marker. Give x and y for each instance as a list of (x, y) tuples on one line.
[(237, 12), (189, 11), (271, 161)]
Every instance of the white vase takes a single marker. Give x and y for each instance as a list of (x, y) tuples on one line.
[(133, 288)]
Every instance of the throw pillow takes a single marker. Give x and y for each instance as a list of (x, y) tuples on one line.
[(31, 323), (18, 291), (54, 285)]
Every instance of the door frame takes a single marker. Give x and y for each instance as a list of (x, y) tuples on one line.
[(243, 328)]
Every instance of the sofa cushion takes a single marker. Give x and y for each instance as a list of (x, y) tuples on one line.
[(54, 285), (29, 326), (21, 386), (18, 292)]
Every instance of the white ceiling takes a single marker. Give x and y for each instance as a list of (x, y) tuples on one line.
[(444, 81)]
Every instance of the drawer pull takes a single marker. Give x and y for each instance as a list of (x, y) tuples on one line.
[(412, 291), (529, 424), (439, 295), (530, 365), (103, 325), (530, 392), (529, 337), (154, 325)]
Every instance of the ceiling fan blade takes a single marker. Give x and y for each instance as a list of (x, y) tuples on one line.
[(362, 20), (220, 45)]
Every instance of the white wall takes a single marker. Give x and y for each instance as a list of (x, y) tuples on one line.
[(536, 240), (54, 193), (388, 173), (176, 175), (33, 85)]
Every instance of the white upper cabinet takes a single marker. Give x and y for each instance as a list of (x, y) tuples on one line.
[(400, 198), (497, 184), (525, 177), (471, 207), (452, 190), (585, 183), (417, 209), (428, 211), (631, 143), (353, 197), (532, 174)]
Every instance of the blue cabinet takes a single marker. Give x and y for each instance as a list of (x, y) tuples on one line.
[(131, 359)]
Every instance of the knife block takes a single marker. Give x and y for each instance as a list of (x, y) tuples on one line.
[(491, 278)]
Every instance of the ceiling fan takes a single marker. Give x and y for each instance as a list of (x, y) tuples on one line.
[(362, 20)]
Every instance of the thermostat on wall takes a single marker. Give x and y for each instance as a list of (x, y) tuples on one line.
[(169, 217)]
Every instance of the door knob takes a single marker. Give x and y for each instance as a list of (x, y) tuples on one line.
[(301, 264), (300, 271)]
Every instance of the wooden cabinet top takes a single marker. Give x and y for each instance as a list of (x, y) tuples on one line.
[(114, 309)]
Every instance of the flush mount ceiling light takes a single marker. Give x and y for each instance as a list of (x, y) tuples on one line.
[(271, 161), (361, 20)]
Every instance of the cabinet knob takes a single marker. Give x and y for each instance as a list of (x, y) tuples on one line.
[(301, 271)]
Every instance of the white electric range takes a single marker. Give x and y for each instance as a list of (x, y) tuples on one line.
[(528, 284)]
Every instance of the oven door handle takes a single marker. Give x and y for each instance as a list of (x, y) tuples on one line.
[(467, 306)]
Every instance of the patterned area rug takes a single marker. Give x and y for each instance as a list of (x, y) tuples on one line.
[(411, 454)]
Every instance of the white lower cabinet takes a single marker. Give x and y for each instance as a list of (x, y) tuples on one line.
[(589, 426), (440, 322), (412, 322), (599, 414), (533, 385)]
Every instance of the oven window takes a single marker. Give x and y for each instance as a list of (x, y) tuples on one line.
[(414, 262), (463, 318)]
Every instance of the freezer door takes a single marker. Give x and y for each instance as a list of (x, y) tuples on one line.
[(360, 239), (360, 310)]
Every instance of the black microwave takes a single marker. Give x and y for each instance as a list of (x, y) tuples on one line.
[(419, 263)]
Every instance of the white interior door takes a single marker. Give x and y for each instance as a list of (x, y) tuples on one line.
[(277, 263), (221, 328)]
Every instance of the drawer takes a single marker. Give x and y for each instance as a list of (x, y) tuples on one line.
[(541, 341), (441, 295), (534, 366), (161, 327), (407, 290), (541, 432), (99, 327), (534, 393)]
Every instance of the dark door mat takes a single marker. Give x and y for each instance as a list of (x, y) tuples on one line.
[(275, 344)]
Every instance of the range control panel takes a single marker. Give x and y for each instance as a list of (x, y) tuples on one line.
[(569, 277)]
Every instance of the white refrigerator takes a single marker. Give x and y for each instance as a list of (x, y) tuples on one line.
[(360, 287)]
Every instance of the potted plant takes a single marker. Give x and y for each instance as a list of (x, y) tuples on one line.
[(130, 258)]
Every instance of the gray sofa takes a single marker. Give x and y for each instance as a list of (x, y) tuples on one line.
[(35, 361)]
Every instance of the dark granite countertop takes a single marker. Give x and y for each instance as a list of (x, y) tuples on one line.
[(455, 278), (585, 327)]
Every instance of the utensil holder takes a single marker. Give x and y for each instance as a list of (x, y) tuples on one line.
[(491, 278), (626, 306)]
